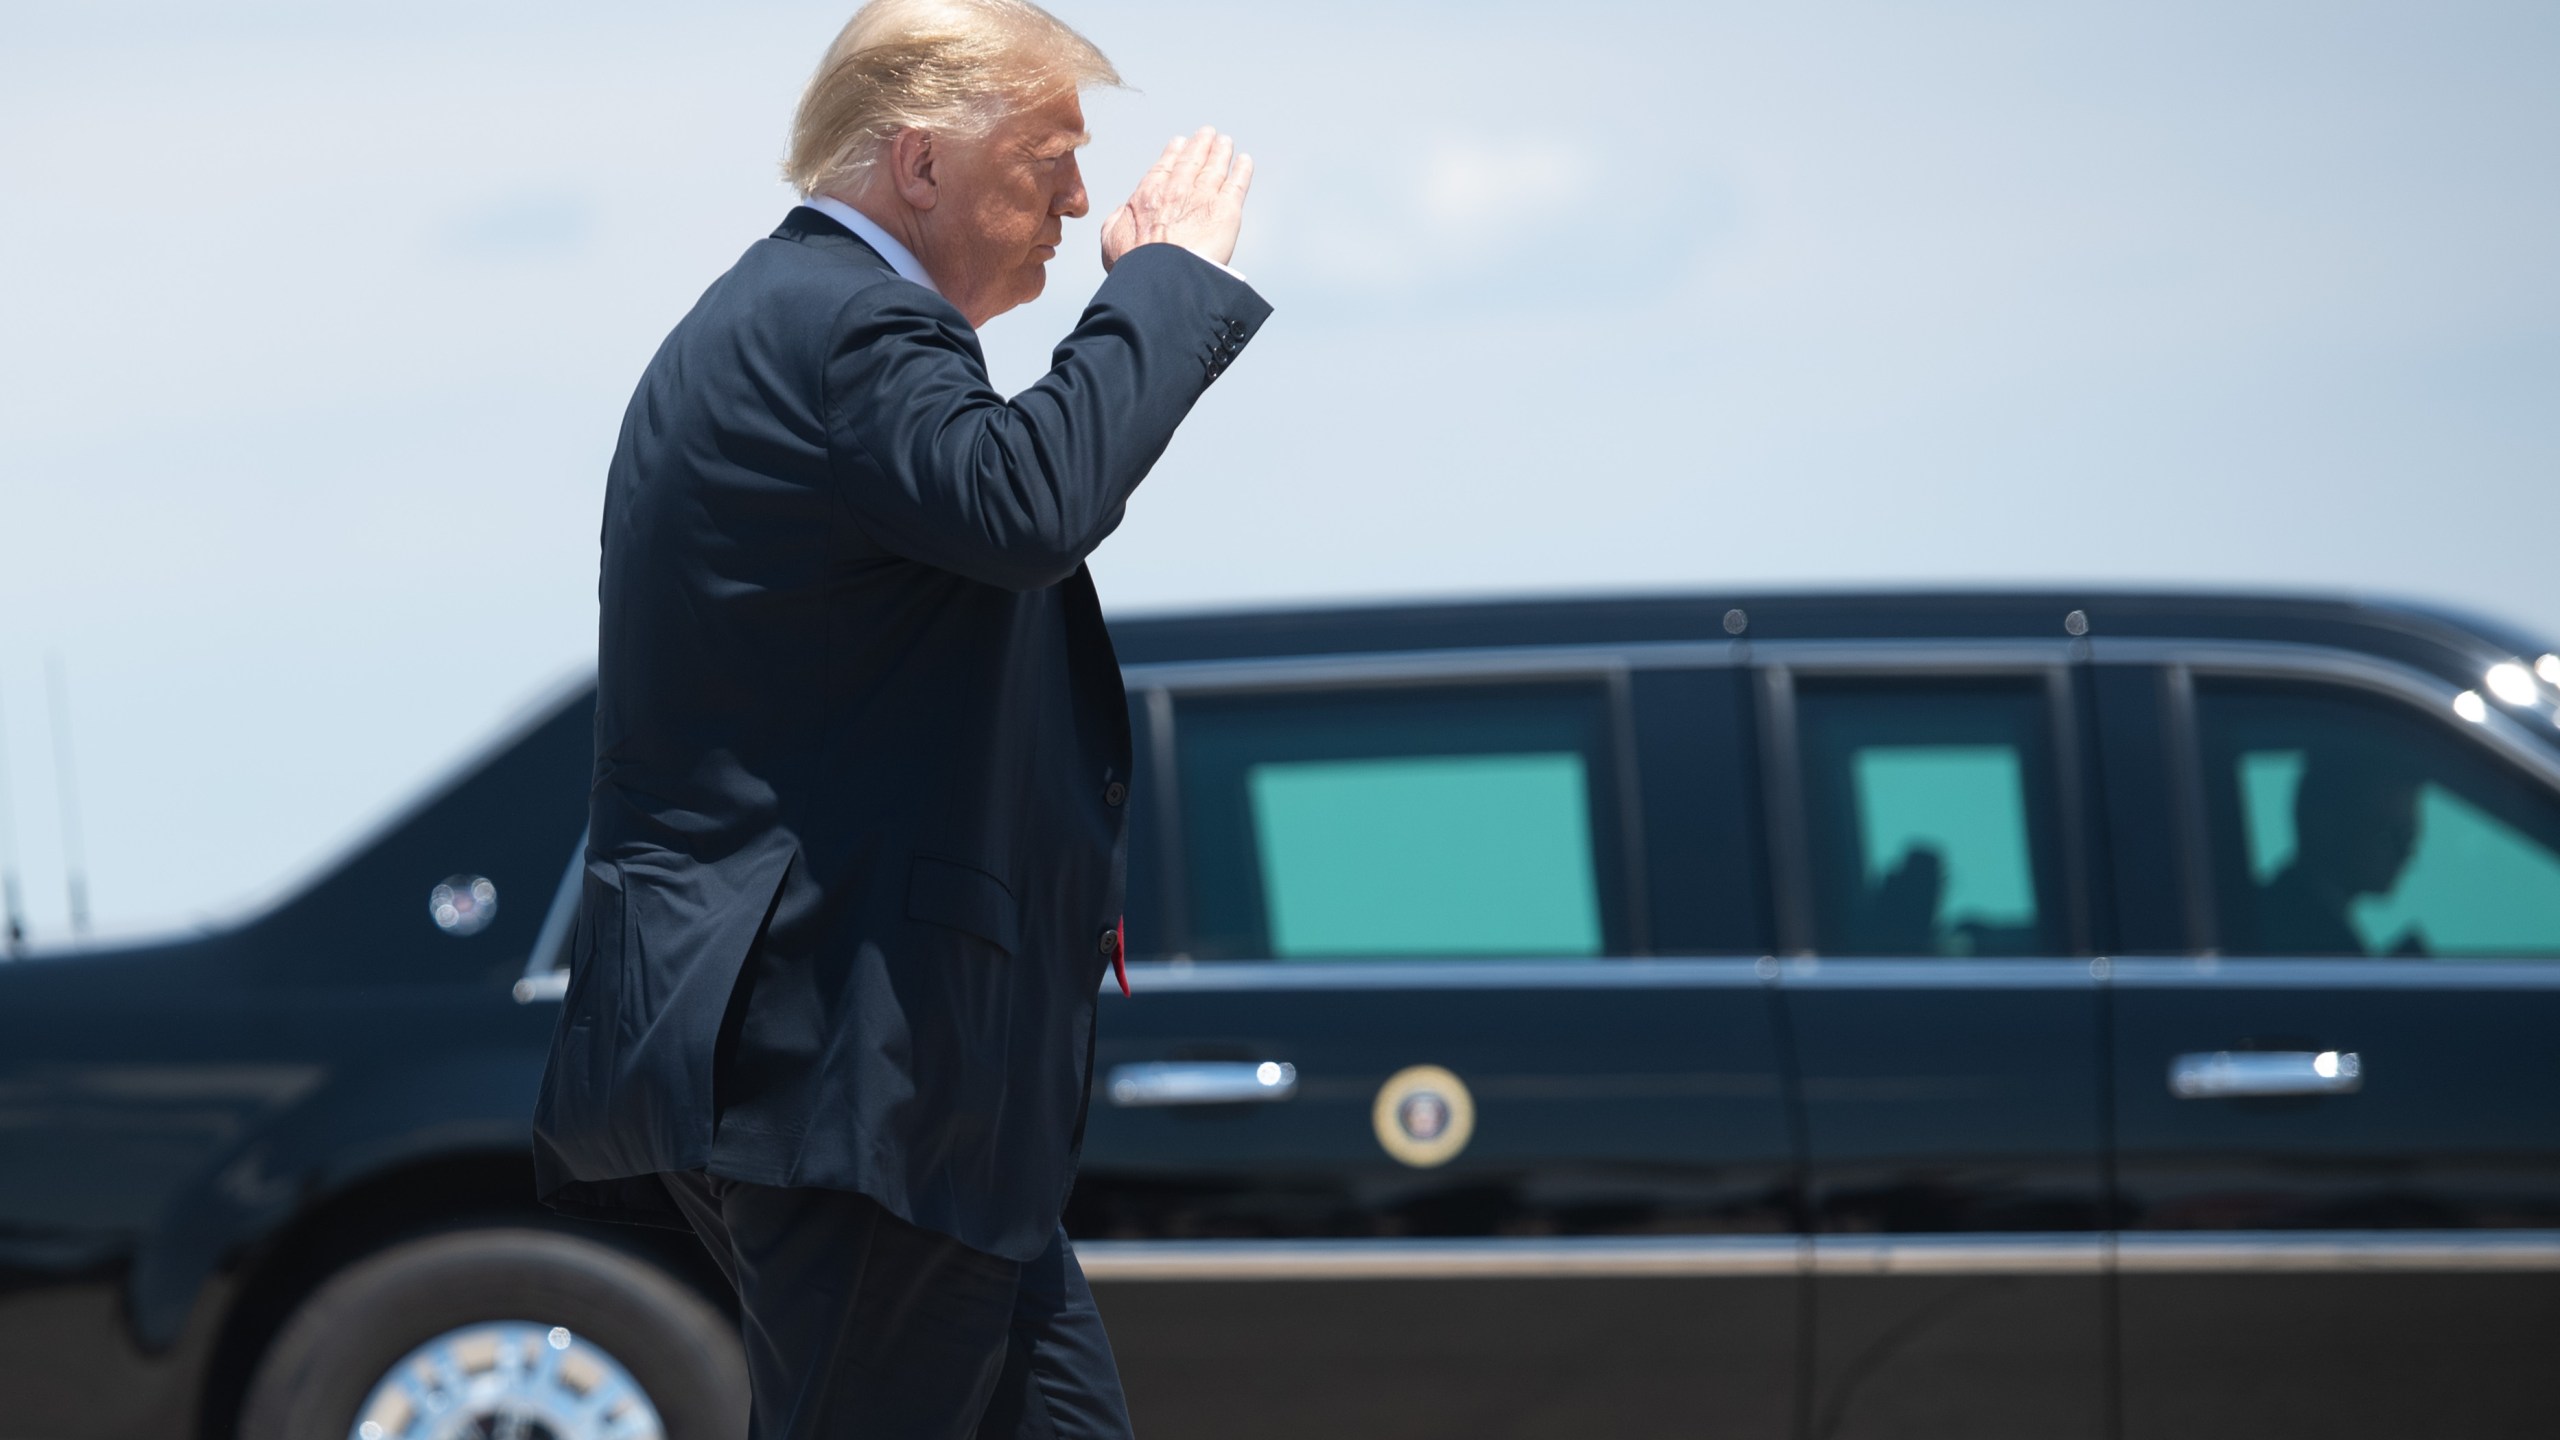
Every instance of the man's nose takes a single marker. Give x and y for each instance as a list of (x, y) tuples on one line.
[(1072, 202)]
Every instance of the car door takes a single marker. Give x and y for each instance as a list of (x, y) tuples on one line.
[(1943, 1018), (1428, 1116), (2338, 1120)]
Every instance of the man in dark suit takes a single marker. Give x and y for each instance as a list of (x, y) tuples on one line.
[(857, 829)]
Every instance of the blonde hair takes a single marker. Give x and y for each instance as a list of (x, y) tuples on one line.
[(953, 67)]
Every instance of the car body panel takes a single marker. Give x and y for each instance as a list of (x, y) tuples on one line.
[(1701, 1197)]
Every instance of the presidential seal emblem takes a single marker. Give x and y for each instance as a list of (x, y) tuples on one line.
[(1424, 1116)]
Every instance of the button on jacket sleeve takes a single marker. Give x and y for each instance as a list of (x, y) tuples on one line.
[(938, 468)]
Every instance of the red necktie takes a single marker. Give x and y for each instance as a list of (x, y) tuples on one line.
[(1119, 948)]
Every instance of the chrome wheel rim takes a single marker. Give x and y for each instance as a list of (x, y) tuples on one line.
[(507, 1380)]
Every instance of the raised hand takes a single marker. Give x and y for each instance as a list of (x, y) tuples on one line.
[(1192, 197)]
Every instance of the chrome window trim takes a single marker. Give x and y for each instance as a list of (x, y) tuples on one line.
[(1608, 972), (1512, 662), (546, 969), (1936, 972), (1605, 972), (2009, 658), (1421, 667), (2276, 972), (1738, 1256), (2499, 728)]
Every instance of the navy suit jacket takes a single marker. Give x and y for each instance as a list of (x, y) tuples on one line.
[(858, 819)]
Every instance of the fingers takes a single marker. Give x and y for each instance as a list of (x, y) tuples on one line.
[(1164, 162), (1193, 196), (1213, 168), (1116, 231), (1187, 162)]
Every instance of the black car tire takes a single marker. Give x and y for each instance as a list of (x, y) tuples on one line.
[(348, 1334)]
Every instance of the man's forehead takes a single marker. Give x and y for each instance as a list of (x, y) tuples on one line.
[(1052, 121)]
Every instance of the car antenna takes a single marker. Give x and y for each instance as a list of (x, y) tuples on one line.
[(75, 872), (13, 910)]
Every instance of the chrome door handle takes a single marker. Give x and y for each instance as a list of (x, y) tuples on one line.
[(1201, 1082), (2220, 1074)]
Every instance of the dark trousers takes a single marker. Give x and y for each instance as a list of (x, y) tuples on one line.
[(859, 1326)]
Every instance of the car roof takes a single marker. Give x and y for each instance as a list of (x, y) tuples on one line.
[(2436, 638)]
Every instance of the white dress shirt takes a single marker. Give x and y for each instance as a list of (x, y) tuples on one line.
[(898, 256)]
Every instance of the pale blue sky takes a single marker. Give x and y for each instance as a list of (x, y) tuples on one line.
[(316, 320)]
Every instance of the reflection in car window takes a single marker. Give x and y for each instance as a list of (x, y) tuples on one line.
[(2350, 825), (1398, 823), (1928, 817)]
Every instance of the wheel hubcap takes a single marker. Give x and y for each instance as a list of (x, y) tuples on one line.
[(507, 1380)]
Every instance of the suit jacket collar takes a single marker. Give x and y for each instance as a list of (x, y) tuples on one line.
[(810, 227)]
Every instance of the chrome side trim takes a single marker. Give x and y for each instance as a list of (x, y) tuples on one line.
[(1542, 1259), (1960, 1254), (1654, 1257), (2320, 1252)]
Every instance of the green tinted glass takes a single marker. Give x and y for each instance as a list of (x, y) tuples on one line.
[(1398, 822), (2348, 825), (1928, 816), (2268, 780), (2475, 887), (1427, 855), (1967, 803)]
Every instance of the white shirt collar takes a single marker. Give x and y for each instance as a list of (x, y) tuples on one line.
[(898, 256)]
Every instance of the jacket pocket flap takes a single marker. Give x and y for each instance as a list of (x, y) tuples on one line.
[(963, 897)]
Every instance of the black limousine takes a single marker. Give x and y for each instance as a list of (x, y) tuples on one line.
[(1790, 1016)]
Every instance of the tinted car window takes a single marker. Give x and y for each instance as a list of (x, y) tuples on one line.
[(1929, 817), (2346, 824), (1399, 823)]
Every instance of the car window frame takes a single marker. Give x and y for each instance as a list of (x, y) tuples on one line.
[(1777, 668), (1611, 668), (546, 965), (2427, 695)]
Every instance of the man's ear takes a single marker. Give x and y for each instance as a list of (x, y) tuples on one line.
[(911, 168)]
